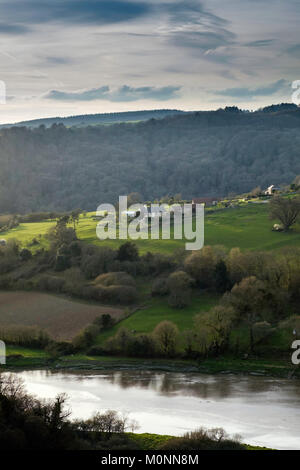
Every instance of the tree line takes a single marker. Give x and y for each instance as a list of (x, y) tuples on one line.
[(198, 154)]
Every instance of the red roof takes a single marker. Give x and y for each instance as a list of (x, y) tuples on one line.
[(204, 200)]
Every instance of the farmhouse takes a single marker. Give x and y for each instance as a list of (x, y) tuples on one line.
[(271, 190), (207, 201)]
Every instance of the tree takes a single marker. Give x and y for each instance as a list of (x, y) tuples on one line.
[(213, 328), (286, 210), (166, 334), (248, 299), (74, 217), (134, 198), (128, 252), (222, 280), (179, 284), (201, 266)]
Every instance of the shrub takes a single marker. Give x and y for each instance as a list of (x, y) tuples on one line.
[(95, 261), (142, 345), (262, 330), (104, 321), (159, 287), (86, 337), (179, 284), (118, 294), (128, 252), (26, 336), (25, 254), (215, 439), (62, 348), (114, 279), (51, 283), (96, 351)]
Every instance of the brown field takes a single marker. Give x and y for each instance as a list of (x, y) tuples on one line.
[(60, 317)]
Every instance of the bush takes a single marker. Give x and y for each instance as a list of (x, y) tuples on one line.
[(86, 337), (26, 336), (215, 439), (96, 351), (51, 283), (179, 284), (142, 345), (114, 279), (104, 321), (118, 294), (95, 261), (25, 254), (159, 287), (62, 348), (128, 252)]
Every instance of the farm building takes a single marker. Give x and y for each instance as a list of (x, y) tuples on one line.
[(207, 201), (271, 190)]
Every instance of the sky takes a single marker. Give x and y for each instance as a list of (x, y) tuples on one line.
[(68, 57)]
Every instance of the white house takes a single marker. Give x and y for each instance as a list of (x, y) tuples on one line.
[(271, 190)]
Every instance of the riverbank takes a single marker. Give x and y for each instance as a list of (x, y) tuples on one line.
[(21, 358)]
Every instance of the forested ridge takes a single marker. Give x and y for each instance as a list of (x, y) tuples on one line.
[(99, 118), (198, 154)]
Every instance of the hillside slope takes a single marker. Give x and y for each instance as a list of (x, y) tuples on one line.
[(100, 118), (198, 154)]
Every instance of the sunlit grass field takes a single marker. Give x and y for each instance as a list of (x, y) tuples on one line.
[(247, 227)]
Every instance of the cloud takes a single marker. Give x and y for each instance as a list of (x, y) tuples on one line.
[(249, 93), (55, 60), (294, 50), (192, 26), (12, 28), (260, 43), (192, 12), (205, 41), (71, 11), (122, 94)]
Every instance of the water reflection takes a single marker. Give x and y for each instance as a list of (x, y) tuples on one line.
[(265, 411)]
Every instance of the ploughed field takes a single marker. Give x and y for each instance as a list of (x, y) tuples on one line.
[(60, 317)]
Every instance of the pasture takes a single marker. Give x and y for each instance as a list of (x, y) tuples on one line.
[(247, 226), (157, 310), (61, 318)]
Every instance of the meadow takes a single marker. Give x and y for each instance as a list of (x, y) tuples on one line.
[(246, 226), (146, 318)]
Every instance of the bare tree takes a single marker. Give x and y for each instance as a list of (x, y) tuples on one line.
[(286, 210)]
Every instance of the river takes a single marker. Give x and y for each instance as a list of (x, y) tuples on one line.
[(264, 411)]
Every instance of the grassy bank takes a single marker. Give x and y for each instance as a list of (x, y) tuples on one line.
[(24, 358)]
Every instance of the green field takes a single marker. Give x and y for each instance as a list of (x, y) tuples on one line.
[(146, 319), (246, 226)]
